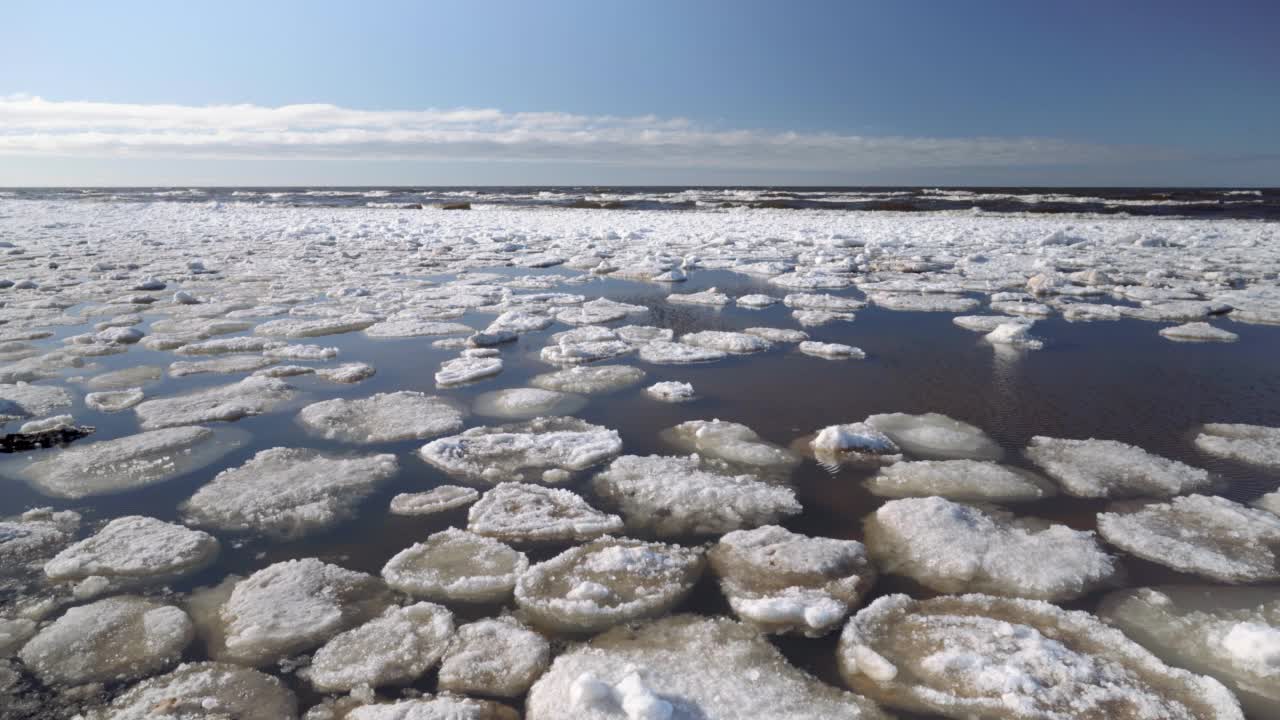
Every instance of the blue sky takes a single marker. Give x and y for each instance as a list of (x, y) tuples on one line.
[(1084, 92)]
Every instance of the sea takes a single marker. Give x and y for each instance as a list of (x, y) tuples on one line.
[(1192, 202)]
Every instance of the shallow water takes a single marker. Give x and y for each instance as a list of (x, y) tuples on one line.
[(1115, 380)]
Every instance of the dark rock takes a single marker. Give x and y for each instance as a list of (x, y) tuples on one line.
[(21, 442), (454, 206)]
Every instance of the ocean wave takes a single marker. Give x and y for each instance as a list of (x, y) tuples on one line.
[(1207, 202)]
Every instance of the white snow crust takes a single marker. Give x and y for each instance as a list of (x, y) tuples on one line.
[(983, 656), (1110, 469), (954, 548), (547, 450), (287, 492), (673, 497), (784, 582), (457, 566), (385, 417), (606, 582)]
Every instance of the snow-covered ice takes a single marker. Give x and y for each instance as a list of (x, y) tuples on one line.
[(491, 338), (936, 437), (1253, 444), (778, 335), (818, 318), (1015, 659), (135, 551), (756, 301), (547, 450), (118, 336), (24, 400), (125, 378), (14, 633), (1198, 332), (520, 321), (120, 638), (225, 365), (251, 396), (292, 607), (585, 344), (301, 353), (732, 442), (1090, 312), (416, 327), (35, 536), (1015, 335), (302, 328), (606, 582), (436, 500), (395, 648), (55, 422), (598, 311), (1269, 502), (823, 301), (112, 401), (497, 657), (1199, 534), (671, 391), (457, 566), (219, 346), (589, 379), (203, 691), (524, 513), (1231, 634), (935, 302), (955, 548), (960, 480), (127, 463), (785, 582), (466, 369), (675, 353), (443, 707), (347, 373), (685, 667), (1110, 469), (984, 323), (838, 351), (284, 371), (287, 492), (811, 281), (523, 403), (734, 343), (674, 497), (385, 417), (710, 296), (641, 334), (856, 442), (1024, 308)]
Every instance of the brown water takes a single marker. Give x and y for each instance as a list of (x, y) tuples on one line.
[(1113, 380)]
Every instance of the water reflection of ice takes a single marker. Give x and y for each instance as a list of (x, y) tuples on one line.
[(1006, 361)]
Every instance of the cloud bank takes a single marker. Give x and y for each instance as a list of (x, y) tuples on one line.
[(32, 126)]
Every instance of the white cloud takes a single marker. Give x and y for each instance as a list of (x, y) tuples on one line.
[(33, 126)]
